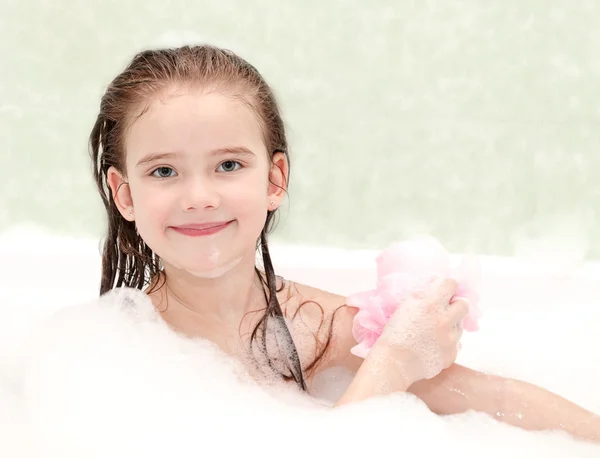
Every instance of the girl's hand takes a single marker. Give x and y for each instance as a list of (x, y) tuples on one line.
[(421, 339)]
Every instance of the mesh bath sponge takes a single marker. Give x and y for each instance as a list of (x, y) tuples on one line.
[(402, 269)]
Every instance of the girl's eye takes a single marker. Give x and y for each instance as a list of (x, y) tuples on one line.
[(229, 166), (163, 172)]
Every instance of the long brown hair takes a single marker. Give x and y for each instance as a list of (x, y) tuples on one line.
[(126, 259)]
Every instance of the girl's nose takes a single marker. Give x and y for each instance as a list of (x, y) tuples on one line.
[(199, 194)]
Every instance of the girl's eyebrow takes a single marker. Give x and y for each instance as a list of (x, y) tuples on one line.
[(237, 150), (148, 158)]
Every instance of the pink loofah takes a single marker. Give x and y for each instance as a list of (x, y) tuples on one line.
[(401, 269)]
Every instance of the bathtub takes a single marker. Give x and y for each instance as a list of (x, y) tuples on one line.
[(81, 377)]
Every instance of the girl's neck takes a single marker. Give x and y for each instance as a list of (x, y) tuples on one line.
[(217, 309)]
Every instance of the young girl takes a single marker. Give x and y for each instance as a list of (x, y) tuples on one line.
[(191, 160)]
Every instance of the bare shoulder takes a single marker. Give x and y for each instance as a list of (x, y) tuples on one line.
[(313, 304), (321, 325), (327, 299)]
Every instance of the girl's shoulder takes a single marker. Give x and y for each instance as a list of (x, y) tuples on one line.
[(321, 325)]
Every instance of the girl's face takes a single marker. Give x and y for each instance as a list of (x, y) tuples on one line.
[(199, 181)]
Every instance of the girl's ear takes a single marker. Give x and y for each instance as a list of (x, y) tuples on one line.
[(278, 179), (121, 193)]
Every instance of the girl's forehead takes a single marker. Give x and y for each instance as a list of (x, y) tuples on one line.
[(194, 121)]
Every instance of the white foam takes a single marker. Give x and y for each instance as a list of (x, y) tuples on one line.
[(106, 378)]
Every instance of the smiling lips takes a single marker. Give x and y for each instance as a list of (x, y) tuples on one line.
[(200, 230)]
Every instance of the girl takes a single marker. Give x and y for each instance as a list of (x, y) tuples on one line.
[(191, 160)]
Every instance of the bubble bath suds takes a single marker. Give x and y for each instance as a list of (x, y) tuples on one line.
[(85, 377)]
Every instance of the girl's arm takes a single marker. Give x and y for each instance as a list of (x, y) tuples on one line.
[(454, 390), (458, 389), (373, 381)]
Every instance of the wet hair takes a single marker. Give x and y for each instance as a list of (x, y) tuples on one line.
[(126, 259)]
